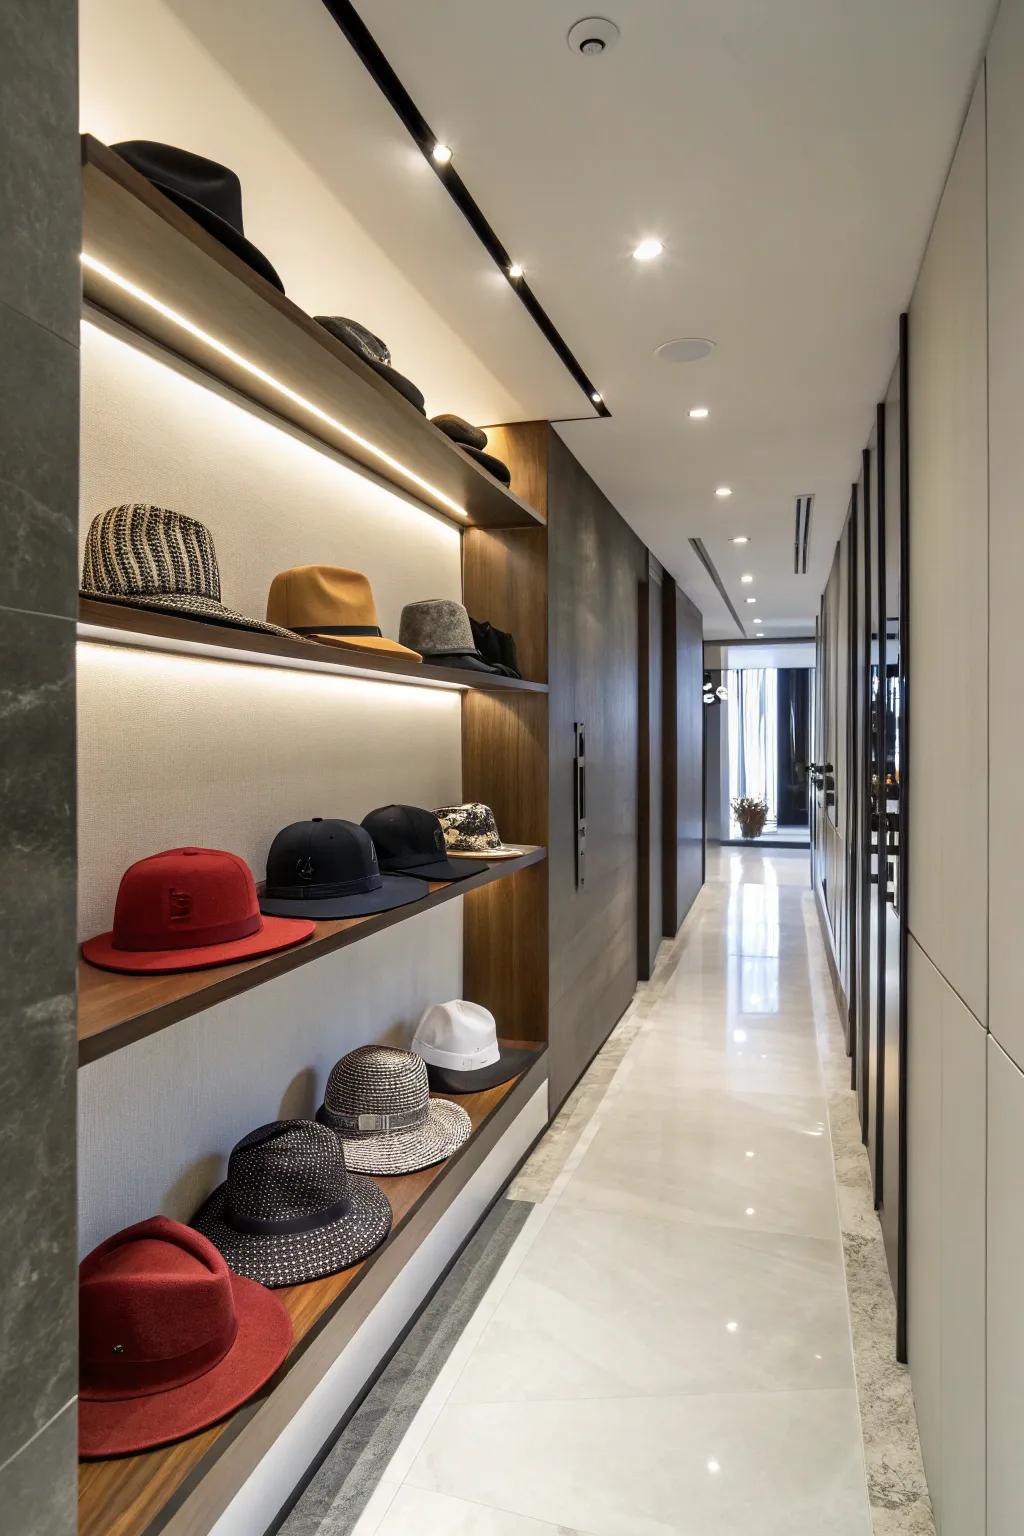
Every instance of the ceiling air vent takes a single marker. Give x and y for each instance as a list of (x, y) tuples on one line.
[(802, 533)]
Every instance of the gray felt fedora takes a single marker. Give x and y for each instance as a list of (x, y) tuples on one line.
[(442, 633)]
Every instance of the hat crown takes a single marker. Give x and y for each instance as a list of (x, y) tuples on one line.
[(469, 827), (207, 182), (374, 1081), (437, 626), (319, 858), (156, 1310), (404, 833), (185, 898), (137, 550), (283, 1172), (322, 597), (458, 1027)]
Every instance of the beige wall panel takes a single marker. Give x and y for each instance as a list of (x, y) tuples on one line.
[(949, 580), (1006, 468), (924, 1210), (1005, 1313)]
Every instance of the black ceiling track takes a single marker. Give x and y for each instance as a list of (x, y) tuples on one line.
[(351, 24), (700, 550), (804, 508)]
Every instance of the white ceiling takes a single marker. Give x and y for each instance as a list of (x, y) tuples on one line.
[(790, 155)]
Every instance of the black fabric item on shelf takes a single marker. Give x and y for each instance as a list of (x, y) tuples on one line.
[(460, 430), (373, 352), (496, 646), (208, 192), (487, 461)]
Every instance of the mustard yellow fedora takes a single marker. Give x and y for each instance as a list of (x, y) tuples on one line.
[(332, 605)]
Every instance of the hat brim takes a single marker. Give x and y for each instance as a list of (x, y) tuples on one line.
[(463, 659), (292, 1258), (444, 869), (276, 933), (123, 1426), (221, 230), (205, 608), (446, 1129), (493, 466), (511, 1063), (503, 851), (397, 891), (374, 643), (343, 333)]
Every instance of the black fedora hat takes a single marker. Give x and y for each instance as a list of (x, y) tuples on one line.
[(208, 192), (326, 868), (494, 466), (410, 841), (374, 352), (289, 1210)]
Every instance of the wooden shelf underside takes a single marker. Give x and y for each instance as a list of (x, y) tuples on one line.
[(115, 1010), (132, 1495), (149, 629), (152, 267)]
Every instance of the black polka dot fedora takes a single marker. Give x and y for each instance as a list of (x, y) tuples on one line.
[(289, 1210), (378, 1100)]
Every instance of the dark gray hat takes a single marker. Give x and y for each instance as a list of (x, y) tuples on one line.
[(440, 630), (460, 430), (378, 1101), (372, 351), (289, 1210), (487, 461)]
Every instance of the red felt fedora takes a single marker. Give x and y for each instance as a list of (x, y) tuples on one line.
[(170, 1339), (187, 909)]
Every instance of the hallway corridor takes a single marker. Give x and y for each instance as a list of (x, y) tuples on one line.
[(651, 1334)]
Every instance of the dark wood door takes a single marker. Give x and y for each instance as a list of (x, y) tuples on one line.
[(683, 756), (651, 777)]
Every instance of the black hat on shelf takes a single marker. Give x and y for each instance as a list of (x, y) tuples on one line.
[(326, 869), (208, 192), (445, 634), (410, 841), (460, 430), (496, 646), (487, 461), (374, 352), (289, 1210)]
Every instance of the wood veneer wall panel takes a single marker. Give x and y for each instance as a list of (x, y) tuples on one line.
[(505, 580), (650, 766), (595, 566), (523, 446), (683, 756)]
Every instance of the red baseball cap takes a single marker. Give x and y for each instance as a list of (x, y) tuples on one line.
[(187, 909), (170, 1340)]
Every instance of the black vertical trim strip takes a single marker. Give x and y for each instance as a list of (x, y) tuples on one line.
[(808, 508), (864, 841), (365, 45), (904, 809), (882, 888), (852, 788), (796, 536)]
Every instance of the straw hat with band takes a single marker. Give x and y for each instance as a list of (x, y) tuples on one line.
[(289, 1210), (378, 1101), (169, 1340), (332, 605)]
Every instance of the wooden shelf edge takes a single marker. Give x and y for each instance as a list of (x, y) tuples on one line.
[(169, 633), (108, 185), (127, 1008), (140, 1495)]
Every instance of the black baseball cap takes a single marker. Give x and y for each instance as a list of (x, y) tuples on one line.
[(409, 839), (325, 868)]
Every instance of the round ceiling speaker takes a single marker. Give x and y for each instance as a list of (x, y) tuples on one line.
[(687, 349), (593, 36)]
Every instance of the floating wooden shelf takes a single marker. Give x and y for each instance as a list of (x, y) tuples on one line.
[(115, 1010), (133, 1495), (152, 267), (146, 629)]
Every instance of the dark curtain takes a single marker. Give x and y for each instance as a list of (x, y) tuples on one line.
[(793, 695)]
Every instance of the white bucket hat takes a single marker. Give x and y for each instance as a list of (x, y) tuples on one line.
[(459, 1043)]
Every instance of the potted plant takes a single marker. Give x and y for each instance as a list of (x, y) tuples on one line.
[(751, 815)]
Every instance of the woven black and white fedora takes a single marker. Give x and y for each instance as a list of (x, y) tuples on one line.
[(289, 1210), (150, 557), (378, 1100)]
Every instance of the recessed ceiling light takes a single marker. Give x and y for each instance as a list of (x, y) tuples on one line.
[(648, 250), (758, 621), (442, 153), (596, 398), (741, 538), (746, 579), (723, 491), (685, 349), (699, 413), (750, 599), (515, 270)]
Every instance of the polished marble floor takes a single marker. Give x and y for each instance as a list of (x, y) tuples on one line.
[(659, 1341)]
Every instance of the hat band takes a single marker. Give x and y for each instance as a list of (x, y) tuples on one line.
[(458, 1061), (119, 1377), (189, 938), (337, 629), (326, 889), (261, 1226), (401, 861), (382, 1124)]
